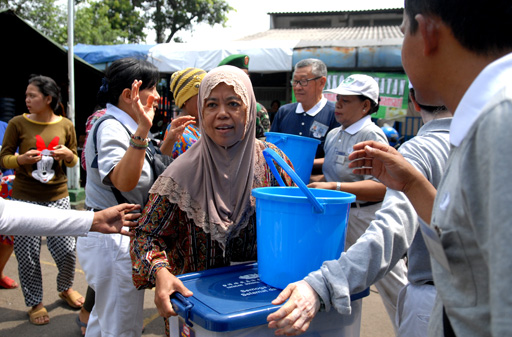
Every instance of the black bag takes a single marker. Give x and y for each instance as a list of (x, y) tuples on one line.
[(156, 159)]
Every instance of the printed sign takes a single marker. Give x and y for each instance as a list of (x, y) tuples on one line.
[(394, 92)]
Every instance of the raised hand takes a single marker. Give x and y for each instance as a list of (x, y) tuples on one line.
[(144, 113)]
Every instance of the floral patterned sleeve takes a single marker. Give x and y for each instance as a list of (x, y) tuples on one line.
[(270, 180), (148, 246)]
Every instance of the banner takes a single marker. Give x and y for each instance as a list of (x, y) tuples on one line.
[(394, 92)]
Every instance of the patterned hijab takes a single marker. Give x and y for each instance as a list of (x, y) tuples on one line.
[(212, 183)]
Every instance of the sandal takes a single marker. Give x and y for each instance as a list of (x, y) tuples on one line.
[(8, 283), (81, 325), (71, 299), (34, 314)]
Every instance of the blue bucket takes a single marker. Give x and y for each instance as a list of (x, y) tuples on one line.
[(297, 228), (299, 149)]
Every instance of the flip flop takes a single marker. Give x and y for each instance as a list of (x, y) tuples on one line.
[(34, 314), (71, 299), (8, 283), (81, 324)]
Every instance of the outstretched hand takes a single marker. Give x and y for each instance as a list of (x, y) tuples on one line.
[(112, 219), (383, 162), (386, 164), (295, 316)]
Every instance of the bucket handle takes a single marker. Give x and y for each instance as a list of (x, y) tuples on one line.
[(282, 139), (270, 154), (181, 304)]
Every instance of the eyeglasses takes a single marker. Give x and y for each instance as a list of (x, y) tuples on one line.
[(304, 82)]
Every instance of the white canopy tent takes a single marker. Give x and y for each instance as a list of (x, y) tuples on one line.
[(265, 56)]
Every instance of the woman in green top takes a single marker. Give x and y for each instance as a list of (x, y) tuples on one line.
[(45, 141)]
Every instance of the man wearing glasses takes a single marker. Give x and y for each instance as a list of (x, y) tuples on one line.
[(313, 115)]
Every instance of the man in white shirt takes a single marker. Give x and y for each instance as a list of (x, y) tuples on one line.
[(457, 53), (313, 115)]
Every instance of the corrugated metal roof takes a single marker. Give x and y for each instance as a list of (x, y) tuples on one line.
[(381, 10), (334, 37)]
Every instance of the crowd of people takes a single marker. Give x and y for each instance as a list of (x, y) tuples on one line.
[(429, 227)]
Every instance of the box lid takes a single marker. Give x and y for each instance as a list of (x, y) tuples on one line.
[(227, 299)]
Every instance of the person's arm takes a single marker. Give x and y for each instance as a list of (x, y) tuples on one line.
[(126, 173), (382, 245), (150, 264), (364, 190), (9, 159), (61, 152), (20, 218), (318, 163), (174, 133), (386, 164)]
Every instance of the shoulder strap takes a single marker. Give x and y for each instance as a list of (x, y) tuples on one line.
[(119, 197), (150, 150)]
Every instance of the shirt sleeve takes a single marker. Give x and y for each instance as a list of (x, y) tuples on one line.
[(383, 244), (71, 144), (148, 247), (378, 250), (21, 218)]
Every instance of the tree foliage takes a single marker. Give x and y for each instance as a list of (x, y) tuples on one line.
[(106, 22), (45, 15), (170, 16)]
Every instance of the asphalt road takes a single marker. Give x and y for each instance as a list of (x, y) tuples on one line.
[(14, 319)]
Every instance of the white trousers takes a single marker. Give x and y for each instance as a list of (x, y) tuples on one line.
[(391, 284), (118, 307), (414, 306)]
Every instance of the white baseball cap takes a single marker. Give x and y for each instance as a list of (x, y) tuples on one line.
[(358, 85)]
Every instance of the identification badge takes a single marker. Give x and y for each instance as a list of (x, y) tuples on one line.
[(318, 129), (433, 242), (341, 159)]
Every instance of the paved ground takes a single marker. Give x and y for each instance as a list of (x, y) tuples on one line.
[(14, 320)]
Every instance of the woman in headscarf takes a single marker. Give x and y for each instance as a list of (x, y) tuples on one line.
[(200, 213)]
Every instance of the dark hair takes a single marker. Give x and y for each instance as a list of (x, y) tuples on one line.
[(121, 74), (482, 27), (276, 101), (374, 107), (47, 87), (433, 109)]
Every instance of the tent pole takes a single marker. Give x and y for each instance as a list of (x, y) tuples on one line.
[(73, 173)]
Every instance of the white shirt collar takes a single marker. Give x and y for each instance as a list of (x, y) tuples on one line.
[(491, 80), (314, 110), (357, 126), (122, 117)]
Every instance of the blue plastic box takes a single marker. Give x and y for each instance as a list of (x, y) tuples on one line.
[(232, 301)]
